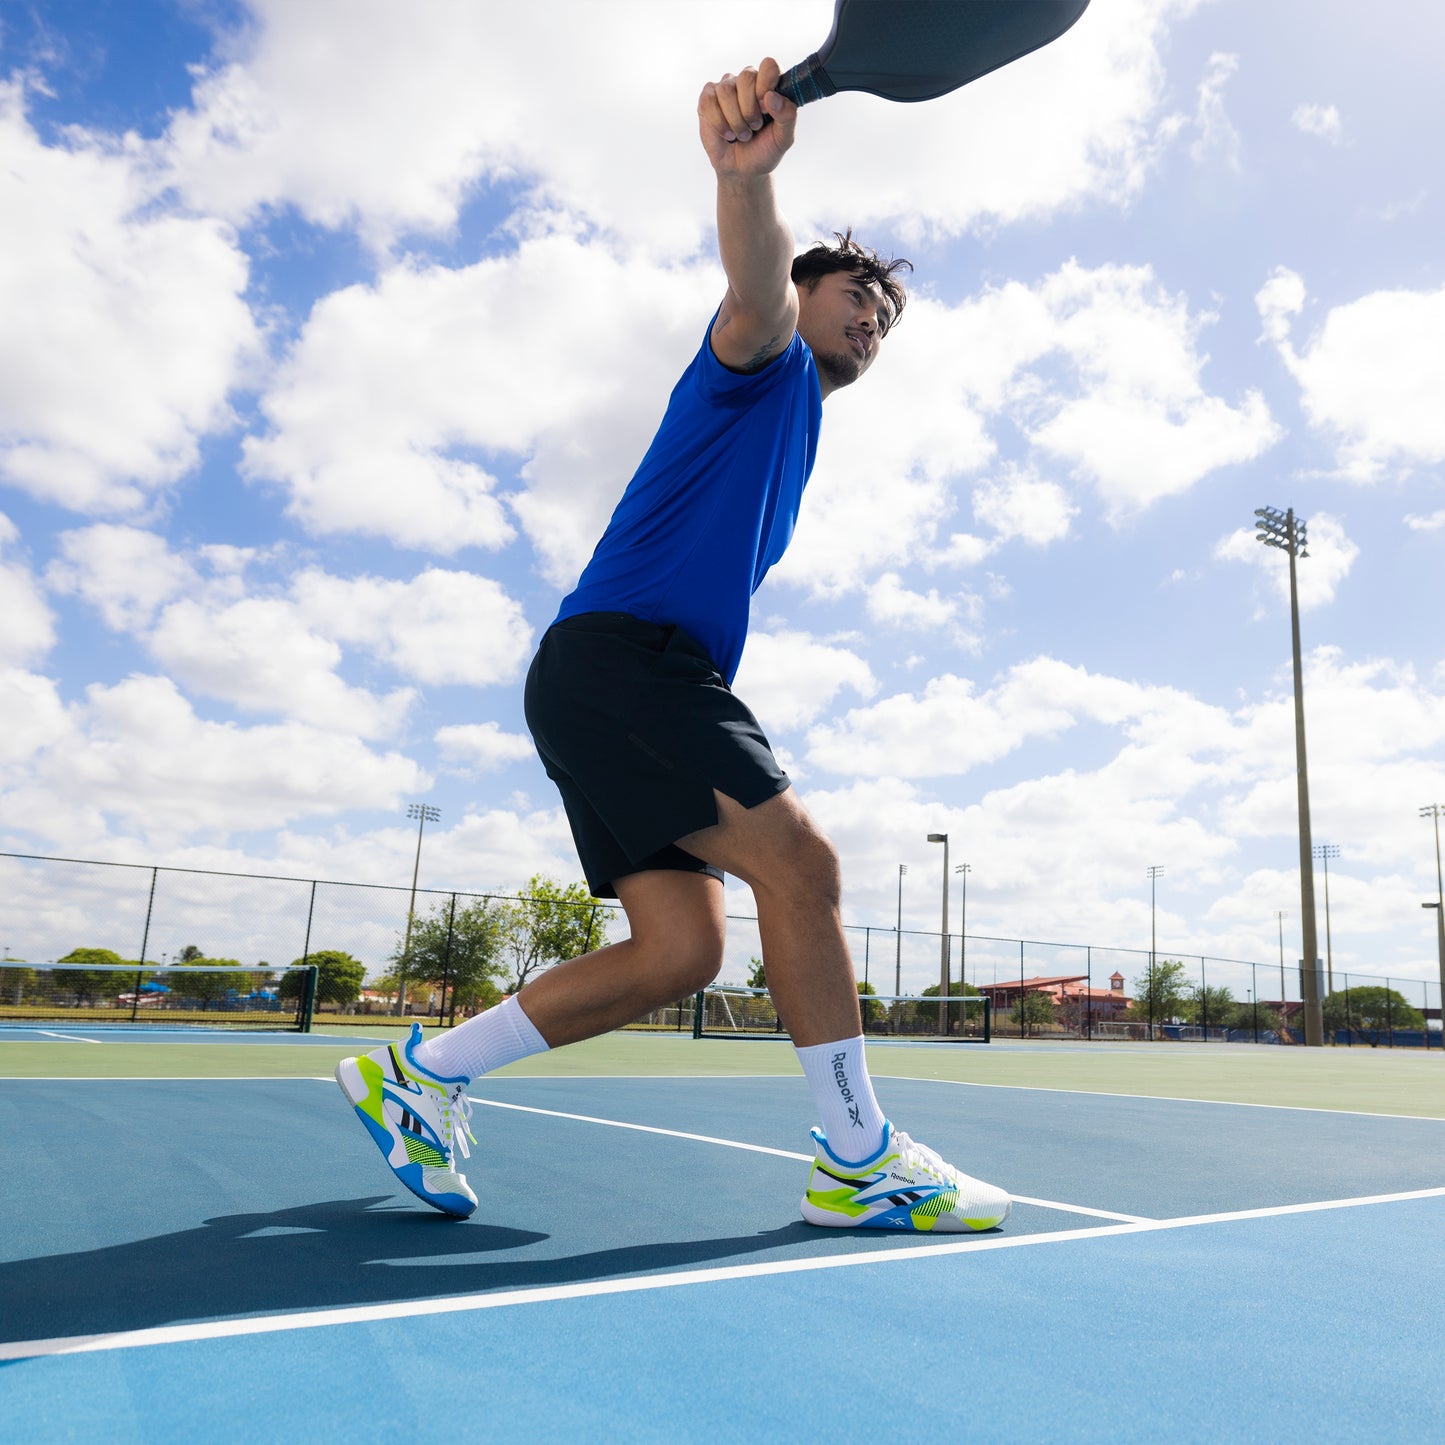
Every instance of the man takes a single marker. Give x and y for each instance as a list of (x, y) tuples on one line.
[(666, 777)]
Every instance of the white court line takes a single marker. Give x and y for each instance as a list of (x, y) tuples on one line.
[(461, 1304), (65, 1038), (1164, 1098), (781, 1154)]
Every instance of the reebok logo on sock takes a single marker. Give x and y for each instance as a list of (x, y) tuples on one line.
[(841, 1078)]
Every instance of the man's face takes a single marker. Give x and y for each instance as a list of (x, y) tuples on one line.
[(843, 319)]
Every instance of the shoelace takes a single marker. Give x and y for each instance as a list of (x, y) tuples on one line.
[(921, 1157), (457, 1118)]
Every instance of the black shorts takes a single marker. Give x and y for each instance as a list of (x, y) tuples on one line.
[(637, 727)]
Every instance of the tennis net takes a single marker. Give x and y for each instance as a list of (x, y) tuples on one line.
[(179, 996), (727, 1012)]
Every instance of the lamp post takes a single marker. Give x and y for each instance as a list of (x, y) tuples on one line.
[(1287, 532), (963, 870), (424, 813), (1154, 872), (1436, 811), (898, 941), (1280, 916), (1324, 852), (943, 969)]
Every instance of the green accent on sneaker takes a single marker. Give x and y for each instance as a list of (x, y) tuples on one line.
[(420, 1152), (839, 1201)]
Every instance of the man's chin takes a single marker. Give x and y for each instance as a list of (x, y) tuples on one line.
[(840, 369)]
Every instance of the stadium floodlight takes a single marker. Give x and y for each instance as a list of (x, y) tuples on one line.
[(1324, 852), (1154, 872), (1287, 532), (424, 813), (943, 968), (1437, 811), (963, 869), (898, 939)]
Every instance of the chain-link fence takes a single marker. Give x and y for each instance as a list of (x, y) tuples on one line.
[(159, 915)]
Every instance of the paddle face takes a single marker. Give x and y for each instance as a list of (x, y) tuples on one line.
[(913, 50)]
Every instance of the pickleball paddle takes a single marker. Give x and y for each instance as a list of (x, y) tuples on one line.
[(910, 50)]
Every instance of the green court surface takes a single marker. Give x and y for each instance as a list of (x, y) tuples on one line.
[(1362, 1080)]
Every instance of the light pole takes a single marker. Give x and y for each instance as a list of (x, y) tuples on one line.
[(1436, 810), (943, 969), (898, 941), (963, 870), (1326, 851), (1154, 872), (1287, 532), (424, 813), (1280, 916)]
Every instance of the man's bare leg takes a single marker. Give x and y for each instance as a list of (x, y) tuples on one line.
[(676, 948), (792, 869)]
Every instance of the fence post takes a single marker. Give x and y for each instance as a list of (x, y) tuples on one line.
[(1389, 1014), (1204, 999), (1254, 994), (1089, 994), (144, 944), (446, 968), (310, 913)]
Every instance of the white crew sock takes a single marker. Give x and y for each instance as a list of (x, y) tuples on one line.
[(838, 1076), (498, 1036)]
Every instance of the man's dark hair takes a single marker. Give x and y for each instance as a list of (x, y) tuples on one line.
[(858, 260)]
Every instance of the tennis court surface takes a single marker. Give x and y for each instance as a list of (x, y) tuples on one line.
[(1210, 1242)]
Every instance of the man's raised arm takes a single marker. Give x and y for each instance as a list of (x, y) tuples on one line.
[(760, 311)]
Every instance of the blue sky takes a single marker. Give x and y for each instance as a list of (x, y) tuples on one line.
[(333, 332)]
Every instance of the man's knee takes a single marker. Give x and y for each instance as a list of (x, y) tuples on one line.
[(678, 923)]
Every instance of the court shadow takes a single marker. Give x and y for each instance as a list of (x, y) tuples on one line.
[(316, 1256)]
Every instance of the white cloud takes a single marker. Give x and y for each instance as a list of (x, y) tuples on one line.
[(27, 627), (1369, 376), (1143, 426), (278, 652), (260, 655), (1279, 300), (126, 573), (790, 678), (1019, 504), (1430, 522), (1216, 132), (387, 412), (891, 603), (439, 627), (482, 747), (125, 326), (1318, 120), (280, 118), (136, 754), (34, 718)]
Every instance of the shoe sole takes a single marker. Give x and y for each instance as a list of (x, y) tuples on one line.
[(900, 1222), (358, 1095)]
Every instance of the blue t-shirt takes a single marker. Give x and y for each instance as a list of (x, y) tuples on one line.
[(713, 504)]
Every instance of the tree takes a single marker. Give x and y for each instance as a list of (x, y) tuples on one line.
[(872, 1010), (958, 1014), (460, 946), (1160, 994), (757, 976), (212, 980), (189, 954), (549, 924), (1208, 1007), (339, 978), (84, 976), (1034, 1010), (1372, 1009)]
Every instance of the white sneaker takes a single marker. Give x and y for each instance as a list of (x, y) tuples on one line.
[(903, 1186), (417, 1119)]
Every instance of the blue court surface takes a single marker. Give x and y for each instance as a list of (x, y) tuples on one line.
[(230, 1260)]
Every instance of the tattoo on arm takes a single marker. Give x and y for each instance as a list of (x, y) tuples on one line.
[(759, 358)]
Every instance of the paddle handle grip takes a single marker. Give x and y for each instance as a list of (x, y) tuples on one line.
[(806, 81)]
